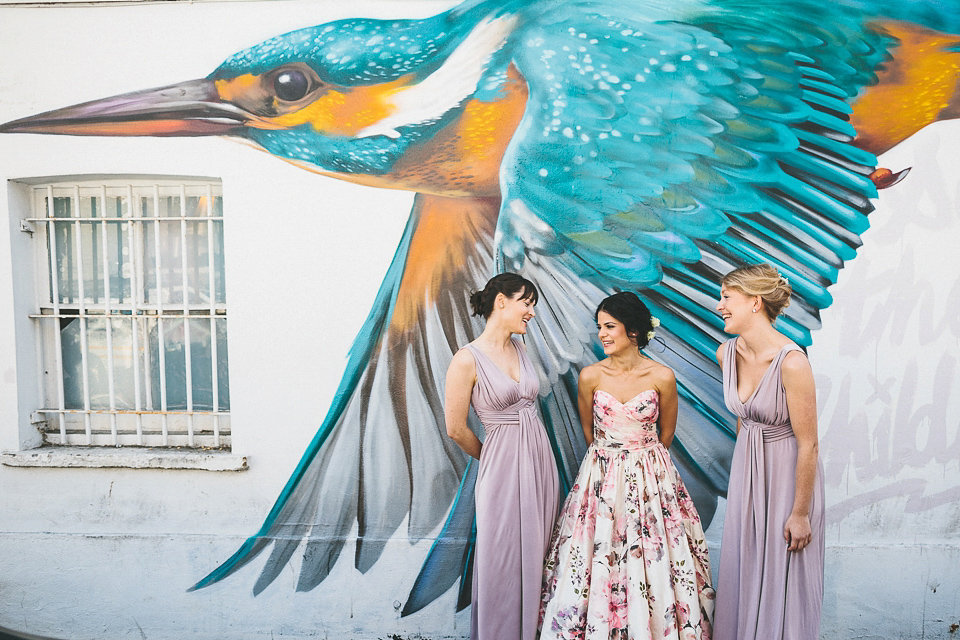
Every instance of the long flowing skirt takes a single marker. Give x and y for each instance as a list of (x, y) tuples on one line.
[(628, 557)]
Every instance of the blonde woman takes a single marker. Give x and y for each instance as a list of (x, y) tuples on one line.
[(771, 559)]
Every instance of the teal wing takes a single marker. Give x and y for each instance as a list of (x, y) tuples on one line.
[(381, 456), (656, 156)]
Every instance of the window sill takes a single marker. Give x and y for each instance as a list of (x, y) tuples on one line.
[(125, 458)]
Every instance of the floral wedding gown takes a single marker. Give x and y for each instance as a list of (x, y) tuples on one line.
[(628, 558)]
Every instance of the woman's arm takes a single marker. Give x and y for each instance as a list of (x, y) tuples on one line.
[(586, 387), (802, 404), (667, 422), (461, 376)]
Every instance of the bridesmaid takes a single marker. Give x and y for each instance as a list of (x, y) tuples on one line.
[(771, 558), (517, 486)]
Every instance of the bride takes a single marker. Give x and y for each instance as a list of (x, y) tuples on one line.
[(628, 557)]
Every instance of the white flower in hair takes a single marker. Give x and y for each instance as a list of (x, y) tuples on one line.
[(654, 322)]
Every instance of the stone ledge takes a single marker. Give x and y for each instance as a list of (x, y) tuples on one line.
[(125, 458)]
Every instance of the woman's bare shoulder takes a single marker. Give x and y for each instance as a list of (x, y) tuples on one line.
[(592, 373), (795, 362), (662, 373), (463, 360)]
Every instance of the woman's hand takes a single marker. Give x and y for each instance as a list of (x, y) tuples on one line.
[(797, 532)]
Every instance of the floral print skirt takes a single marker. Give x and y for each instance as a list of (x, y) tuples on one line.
[(628, 559)]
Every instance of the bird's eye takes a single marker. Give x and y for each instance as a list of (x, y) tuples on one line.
[(291, 85)]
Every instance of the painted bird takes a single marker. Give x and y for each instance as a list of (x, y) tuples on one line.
[(592, 146)]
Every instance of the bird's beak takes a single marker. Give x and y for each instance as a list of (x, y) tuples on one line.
[(191, 108)]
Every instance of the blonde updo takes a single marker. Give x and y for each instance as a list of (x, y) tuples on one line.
[(764, 281)]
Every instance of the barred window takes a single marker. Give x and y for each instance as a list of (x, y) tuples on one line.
[(132, 313)]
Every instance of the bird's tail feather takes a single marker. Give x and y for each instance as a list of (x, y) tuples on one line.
[(323, 550)]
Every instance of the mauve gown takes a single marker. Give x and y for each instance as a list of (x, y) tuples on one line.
[(516, 499), (765, 592)]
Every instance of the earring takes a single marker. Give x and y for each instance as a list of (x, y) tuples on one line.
[(754, 310)]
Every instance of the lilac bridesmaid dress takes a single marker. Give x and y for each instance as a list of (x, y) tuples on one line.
[(516, 499), (765, 592)]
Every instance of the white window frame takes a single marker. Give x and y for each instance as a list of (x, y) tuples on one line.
[(150, 423)]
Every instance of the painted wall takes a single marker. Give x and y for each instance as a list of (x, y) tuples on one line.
[(110, 553)]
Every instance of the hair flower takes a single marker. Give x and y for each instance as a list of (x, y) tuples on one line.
[(654, 322), (783, 279)]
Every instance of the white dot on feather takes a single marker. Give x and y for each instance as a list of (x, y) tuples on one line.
[(543, 173)]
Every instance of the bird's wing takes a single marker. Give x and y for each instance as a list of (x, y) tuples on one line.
[(381, 455), (656, 156)]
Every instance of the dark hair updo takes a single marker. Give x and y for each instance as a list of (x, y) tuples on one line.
[(627, 308), (509, 284)]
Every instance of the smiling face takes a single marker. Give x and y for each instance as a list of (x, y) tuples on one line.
[(737, 310), (613, 335), (515, 311)]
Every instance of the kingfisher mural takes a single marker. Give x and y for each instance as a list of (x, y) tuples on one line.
[(592, 146)]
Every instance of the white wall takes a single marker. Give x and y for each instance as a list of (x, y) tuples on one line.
[(888, 379), (109, 554)]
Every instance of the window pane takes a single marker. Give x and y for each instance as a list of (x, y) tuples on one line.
[(67, 273), (72, 363), (220, 279), (171, 278), (223, 380), (174, 374)]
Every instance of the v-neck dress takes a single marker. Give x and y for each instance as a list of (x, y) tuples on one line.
[(516, 499), (628, 559), (764, 591)]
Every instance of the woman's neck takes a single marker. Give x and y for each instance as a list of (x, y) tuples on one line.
[(625, 361), (495, 336), (761, 338)]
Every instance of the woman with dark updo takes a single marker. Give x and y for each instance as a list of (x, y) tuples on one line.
[(628, 557), (516, 490)]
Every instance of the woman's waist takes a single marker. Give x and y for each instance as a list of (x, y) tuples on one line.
[(640, 442), (519, 413), (769, 432)]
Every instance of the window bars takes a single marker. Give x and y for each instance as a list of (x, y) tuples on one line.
[(133, 313)]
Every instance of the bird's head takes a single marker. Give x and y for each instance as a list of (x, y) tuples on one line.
[(342, 97)]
